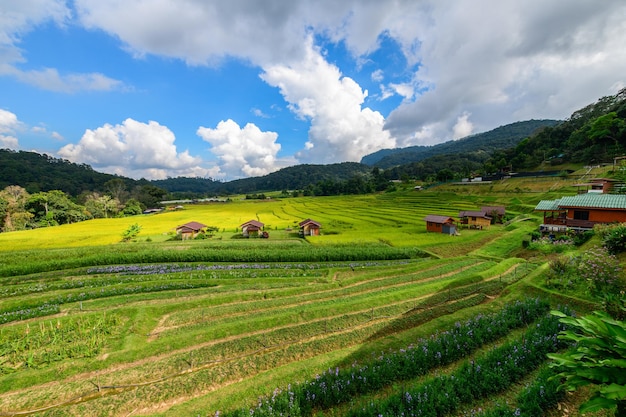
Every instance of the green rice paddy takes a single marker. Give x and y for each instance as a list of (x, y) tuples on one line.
[(91, 326)]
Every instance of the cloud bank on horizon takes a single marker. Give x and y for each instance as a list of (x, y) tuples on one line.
[(243, 88)]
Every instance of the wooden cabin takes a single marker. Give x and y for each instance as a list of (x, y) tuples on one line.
[(598, 185), (251, 228), (475, 219), (309, 227), (582, 211), (440, 224), (189, 230), (496, 213)]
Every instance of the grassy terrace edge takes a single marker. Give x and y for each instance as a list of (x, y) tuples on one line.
[(53, 260)]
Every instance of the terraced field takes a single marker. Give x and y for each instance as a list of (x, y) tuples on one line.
[(193, 328)]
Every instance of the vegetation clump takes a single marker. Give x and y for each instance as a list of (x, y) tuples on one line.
[(596, 359)]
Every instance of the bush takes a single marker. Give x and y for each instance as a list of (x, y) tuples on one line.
[(614, 240), (600, 270), (548, 245), (582, 237), (131, 233), (562, 274), (596, 359)]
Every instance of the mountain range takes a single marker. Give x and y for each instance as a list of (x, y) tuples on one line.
[(593, 134)]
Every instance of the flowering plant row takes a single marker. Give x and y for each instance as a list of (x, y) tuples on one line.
[(474, 380), (23, 313), (542, 394), (152, 255), (338, 386)]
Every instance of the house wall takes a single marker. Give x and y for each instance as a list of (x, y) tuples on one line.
[(478, 222), (311, 231), (434, 227), (600, 216), (250, 231), (187, 234), (449, 229)]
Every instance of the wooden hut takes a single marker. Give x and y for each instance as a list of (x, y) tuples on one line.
[(495, 212), (309, 227), (475, 219), (189, 230), (251, 228), (440, 224)]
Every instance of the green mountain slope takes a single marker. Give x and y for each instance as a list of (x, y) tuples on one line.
[(503, 137)]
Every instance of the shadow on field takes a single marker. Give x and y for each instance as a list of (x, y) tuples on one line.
[(454, 297)]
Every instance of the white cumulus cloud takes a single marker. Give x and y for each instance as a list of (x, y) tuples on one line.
[(243, 152), (508, 61), (136, 150), (463, 126), (341, 128), (8, 125), (499, 62)]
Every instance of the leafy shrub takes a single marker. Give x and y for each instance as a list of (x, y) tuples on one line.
[(562, 274), (596, 359), (582, 237), (600, 270), (614, 240), (131, 233), (548, 245)]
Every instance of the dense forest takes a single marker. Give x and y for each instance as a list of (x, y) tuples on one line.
[(40, 172), (503, 137), (592, 135), (292, 178), (38, 190)]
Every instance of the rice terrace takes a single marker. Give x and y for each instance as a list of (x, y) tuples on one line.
[(373, 316)]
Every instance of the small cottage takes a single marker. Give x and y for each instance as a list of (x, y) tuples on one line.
[(475, 219), (582, 211), (440, 224), (189, 230), (309, 227), (251, 228), (495, 212)]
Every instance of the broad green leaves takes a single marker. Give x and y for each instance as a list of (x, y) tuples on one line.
[(598, 358)]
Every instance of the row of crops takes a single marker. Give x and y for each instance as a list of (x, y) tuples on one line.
[(45, 261), (150, 334), (472, 380)]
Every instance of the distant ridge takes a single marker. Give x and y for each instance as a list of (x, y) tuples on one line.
[(503, 137)]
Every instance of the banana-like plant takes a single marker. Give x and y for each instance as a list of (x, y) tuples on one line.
[(598, 357)]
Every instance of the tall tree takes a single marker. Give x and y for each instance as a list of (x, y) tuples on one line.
[(101, 205), (15, 215), (149, 195), (117, 189), (54, 207)]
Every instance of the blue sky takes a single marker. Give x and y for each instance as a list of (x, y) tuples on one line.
[(242, 88)]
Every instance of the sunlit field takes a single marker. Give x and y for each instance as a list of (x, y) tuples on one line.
[(395, 220), (91, 326)]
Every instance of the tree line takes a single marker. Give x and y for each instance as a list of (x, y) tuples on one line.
[(593, 134), (21, 210)]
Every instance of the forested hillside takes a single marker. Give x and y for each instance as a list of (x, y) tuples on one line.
[(292, 178), (40, 172), (593, 134), (503, 137)]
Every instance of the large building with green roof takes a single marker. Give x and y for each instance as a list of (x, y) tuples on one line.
[(582, 211)]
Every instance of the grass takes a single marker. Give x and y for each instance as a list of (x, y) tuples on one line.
[(262, 312)]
